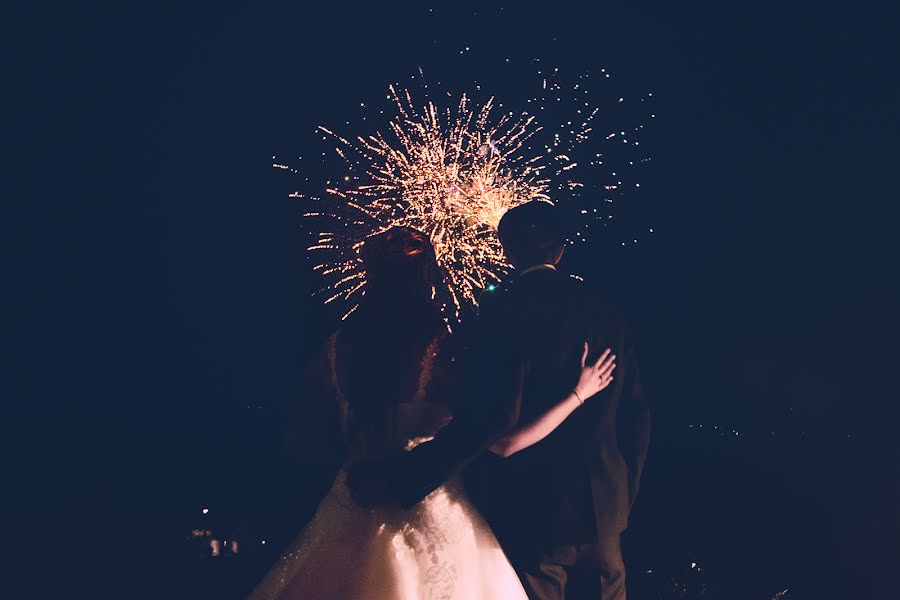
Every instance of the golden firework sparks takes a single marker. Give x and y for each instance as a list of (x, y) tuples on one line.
[(452, 170), (451, 174)]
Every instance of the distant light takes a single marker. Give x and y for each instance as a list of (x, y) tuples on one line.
[(491, 288), (264, 541), (205, 511)]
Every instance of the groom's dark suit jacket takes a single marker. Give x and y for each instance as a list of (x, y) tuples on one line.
[(580, 481)]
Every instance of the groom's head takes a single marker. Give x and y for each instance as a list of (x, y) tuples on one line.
[(532, 234)]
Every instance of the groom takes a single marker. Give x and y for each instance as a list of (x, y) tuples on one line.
[(558, 507)]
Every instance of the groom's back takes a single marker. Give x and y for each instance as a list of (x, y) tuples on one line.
[(558, 485), (544, 321)]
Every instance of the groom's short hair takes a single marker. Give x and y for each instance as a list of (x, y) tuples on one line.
[(532, 232)]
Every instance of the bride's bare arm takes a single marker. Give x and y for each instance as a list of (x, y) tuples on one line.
[(312, 430), (593, 378)]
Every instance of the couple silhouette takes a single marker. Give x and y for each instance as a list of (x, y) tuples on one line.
[(502, 468)]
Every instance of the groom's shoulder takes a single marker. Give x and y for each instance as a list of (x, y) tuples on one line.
[(596, 298), (491, 298)]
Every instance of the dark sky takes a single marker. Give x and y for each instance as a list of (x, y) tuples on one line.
[(159, 285)]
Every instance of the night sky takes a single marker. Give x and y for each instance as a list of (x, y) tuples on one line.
[(158, 289)]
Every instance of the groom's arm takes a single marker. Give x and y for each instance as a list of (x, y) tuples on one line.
[(490, 407)]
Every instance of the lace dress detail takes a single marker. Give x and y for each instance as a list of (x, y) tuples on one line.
[(440, 549)]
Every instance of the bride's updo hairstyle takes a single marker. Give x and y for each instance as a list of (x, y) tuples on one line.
[(401, 266)]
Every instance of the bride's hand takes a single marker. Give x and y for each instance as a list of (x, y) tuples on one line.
[(597, 376)]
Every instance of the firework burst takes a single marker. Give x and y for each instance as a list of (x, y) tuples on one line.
[(452, 171), (451, 174)]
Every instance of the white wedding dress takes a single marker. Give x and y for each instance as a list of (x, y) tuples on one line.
[(441, 549)]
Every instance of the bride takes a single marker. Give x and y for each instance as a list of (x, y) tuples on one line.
[(385, 380)]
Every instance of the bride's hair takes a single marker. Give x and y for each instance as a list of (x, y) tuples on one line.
[(383, 342), (401, 266)]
